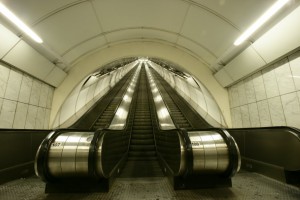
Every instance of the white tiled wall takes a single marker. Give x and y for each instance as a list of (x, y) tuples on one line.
[(270, 97), (25, 102)]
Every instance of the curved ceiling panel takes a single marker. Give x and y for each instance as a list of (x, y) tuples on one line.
[(32, 11), (84, 47), (236, 12), (72, 28), (69, 27), (202, 26), (116, 14)]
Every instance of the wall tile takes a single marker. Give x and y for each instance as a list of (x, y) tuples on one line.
[(35, 93), (237, 117), (31, 117), (1, 102), (47, 118), (4, 74), (230, 96), (273, 95), (13, 85), (291, 109), (254, 116), (40, 116), (259, 87), (50, 97), (235, 96), (276, 111), (295, 67), (17, 91), (264, 114), (25, 90), (270, 82), (242, 93), (7, 113), (250, 92), (284, 79), (20, 117), (43, 95), (245, 116)]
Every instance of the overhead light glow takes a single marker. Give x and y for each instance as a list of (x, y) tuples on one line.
[(23, 27), (263, 19)]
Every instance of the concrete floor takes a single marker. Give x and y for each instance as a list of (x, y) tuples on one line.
[(245, 186)]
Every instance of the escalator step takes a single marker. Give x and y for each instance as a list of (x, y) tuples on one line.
[(141, 154), (142, 132), (142, 127), (142, 137), (142, 147), (141, 142)]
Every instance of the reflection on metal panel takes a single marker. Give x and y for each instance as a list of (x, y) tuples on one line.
[(68, 154), (164, 118), (210, 151), (120, 118)]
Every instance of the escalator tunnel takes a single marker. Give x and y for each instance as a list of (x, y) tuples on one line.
[(141, 129)]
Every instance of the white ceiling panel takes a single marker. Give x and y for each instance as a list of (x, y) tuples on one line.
[(223, 78), (198, 50), (7, 40), (29, 60), (241, 13), (166, 14), (55, 77), (69, 27), (31, 11), (286, 35), (85, 47), (245, 63), (209, 30), (158, 34), (125, 34)]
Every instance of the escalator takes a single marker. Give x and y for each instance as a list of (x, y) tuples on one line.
[(142, 158), (101, 114), (183, 115), (138, 149)]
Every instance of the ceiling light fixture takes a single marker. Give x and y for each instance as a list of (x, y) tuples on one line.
[(265, 17), (21, 25)]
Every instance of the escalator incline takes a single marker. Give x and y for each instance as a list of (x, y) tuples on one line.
[(142, 157)]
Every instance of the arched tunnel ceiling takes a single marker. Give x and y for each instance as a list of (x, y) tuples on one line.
[(206, 29)]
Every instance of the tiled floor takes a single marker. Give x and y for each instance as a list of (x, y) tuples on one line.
[(245, 186)]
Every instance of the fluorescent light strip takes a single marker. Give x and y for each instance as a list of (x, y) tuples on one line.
[(23, 27), (265, 17)]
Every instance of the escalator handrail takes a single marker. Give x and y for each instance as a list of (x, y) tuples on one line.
[(128, 84), (295, 131)]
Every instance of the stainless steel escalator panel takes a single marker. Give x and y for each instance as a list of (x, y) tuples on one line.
[(120, 118), (164, 118), (68, 154), (98, 159), (81, 165), (183, 162), (210, 152)]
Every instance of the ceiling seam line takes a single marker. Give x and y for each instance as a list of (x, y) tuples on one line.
[(182, 24), (186, 50), (191, 2), (146, 28), (57, 11), (99, 22)]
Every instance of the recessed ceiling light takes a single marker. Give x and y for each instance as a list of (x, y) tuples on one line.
[(21, 25)]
